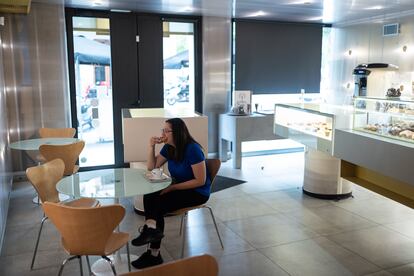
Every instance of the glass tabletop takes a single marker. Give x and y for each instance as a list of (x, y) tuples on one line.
[(110, 183), (34, 144)]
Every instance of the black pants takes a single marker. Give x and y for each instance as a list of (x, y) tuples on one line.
[(156, 205)]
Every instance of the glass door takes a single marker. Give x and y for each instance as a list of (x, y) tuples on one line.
[(179, 64), (93, 85)]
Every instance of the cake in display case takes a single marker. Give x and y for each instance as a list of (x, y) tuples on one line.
[(386, 117)]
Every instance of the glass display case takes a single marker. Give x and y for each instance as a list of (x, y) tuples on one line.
[(305, 124), (386, 117)]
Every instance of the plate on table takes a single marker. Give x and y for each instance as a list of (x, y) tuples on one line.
[(153, 179)]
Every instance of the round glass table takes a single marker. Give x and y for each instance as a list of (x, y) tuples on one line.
[(34, 144), (111, 184)]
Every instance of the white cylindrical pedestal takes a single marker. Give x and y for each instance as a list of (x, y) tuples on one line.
[(322, 178)]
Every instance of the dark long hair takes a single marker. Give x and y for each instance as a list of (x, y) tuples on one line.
[(182, 138)]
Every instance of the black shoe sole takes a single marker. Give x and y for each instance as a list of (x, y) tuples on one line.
[(138, 266), (134, 242), (139, 212)]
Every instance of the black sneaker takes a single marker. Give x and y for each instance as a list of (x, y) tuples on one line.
[(147, 260), (147, 235)]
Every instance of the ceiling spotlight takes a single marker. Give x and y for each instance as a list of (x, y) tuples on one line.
[(349, 52), (404, 48), (255, 14), (187, 9), (374, 8), (97, 4)]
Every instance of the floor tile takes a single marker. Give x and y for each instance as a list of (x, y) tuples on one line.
[(204, 239), (378, 210), (269, 230), (318, 257), (239, 207), (290, 199), (329, 219), (250, 263), (381, 246), (404, 227), (405, 270)]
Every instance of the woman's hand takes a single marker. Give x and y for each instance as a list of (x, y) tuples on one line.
[(168, 189), (155, 140)]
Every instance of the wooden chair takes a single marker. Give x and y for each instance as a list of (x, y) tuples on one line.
[(213, 166), (88, 231), (45, 132), (68, 153), (204, 265), (44, 179)]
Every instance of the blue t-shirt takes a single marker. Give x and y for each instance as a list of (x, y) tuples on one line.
[(182, 171)]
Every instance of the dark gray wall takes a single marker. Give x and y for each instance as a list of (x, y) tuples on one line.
[(274, 57)]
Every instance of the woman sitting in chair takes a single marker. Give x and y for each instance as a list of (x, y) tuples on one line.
[(191, 186)]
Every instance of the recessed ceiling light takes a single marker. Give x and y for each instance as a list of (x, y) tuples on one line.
[(187, 9), (316, 18), (375, 8), (118, 10), (300, 2), (255, 14), (97, 4)]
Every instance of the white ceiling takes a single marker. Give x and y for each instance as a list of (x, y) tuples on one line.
[(318, 11)]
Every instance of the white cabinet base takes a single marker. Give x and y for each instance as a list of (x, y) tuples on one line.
[(322, 176)]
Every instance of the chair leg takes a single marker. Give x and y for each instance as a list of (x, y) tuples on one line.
[(80, 265), (89, 265), (37, 241), (129, 258), (183, 241), (64, 262), (181, 225), (215, 225), (111, 263)]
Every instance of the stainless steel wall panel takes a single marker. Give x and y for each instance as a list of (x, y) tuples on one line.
[(216, 72), (36, 74), (5, 166)]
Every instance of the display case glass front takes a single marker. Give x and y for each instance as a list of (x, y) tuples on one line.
[(305, 120), (305, 124), (386, 117)]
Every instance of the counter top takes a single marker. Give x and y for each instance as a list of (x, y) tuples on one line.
[(157, 113)]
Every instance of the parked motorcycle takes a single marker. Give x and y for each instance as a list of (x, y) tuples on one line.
[(178, 93)]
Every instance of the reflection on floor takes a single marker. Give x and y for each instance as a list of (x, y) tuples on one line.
[(268, 227)]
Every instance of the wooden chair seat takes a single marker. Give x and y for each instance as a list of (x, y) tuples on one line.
[(185, 210), (82, 202)]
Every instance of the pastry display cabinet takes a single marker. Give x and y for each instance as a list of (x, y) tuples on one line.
[(306, 125), (385, 117)]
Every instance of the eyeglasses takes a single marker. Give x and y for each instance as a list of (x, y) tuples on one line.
[(163, 130)]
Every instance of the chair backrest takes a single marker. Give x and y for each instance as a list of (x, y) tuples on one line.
[(84, 231), (45, 177), (46, 132), (68, 153), (204, 265), (213, 166)]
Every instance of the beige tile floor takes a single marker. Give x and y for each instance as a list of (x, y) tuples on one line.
[(268, 227)]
